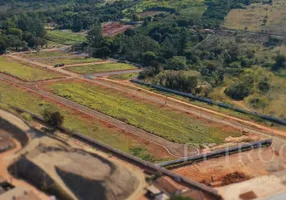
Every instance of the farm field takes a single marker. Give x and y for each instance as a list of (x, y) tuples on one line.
[(258, 17), (83, 123), (25, 72), (65, 37), (114, 28), (107, 67), (155, 118)]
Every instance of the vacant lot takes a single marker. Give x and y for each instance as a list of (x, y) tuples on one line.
[(25, 72), (234, 168), (107, 67), (69, 60), (80, 122), (155, 118), (259, 17), (65, 37), (45, 54), (127, 76)]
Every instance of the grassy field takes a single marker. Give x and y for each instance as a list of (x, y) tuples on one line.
[(174, 126), (68, 61), (25, 72), (45, 54), (77, 122), (259, 17), (123, 76), (107, 67), (65, 37)]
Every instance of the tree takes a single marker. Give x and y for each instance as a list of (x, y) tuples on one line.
[(53, 117), (148, 57), (94, 36), (280, 62), (238, 91), (176, 63), (264, 86)]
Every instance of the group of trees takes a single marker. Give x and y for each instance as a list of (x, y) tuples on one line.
[(21, 31)]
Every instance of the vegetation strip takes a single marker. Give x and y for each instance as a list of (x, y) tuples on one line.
[(174, 126), (209, 101)]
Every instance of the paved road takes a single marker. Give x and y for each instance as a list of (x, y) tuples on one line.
[(177, 150)]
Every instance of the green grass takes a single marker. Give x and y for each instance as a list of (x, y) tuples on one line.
[(65, 37), (45, 54), (89, 69), (74, 121), (123, 76), (69, 61), (174, 126), (25, 72)]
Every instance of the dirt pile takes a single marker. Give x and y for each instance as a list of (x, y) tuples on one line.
[(75, 174)]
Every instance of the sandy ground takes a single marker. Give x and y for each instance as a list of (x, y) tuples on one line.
[(89, 167), (8, 157), (264, 187)]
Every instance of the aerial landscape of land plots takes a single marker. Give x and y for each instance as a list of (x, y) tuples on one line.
[(142, 100)]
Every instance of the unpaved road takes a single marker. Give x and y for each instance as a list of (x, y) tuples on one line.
[(7, 157), (177, 150)]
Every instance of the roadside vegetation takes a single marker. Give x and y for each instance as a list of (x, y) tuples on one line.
[(25, 72), (96, 68), (177, 127)]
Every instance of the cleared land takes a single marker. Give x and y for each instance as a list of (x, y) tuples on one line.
[(235, 168), (83, 123), (107, 67), (65, 37), (25, 72), (114, 28), (259, 17), (155, 118)]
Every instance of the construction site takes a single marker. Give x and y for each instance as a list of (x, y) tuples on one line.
[(101, 153)]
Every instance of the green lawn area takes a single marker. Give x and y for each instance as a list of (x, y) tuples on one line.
[(25, 72), (45, 54), (65, 37), (75, 121), (172, 125), (127, 76), (68, 61), (96, 68)]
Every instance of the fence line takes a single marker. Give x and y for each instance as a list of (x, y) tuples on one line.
[(210, 101), (218, 153), (137, 161)]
